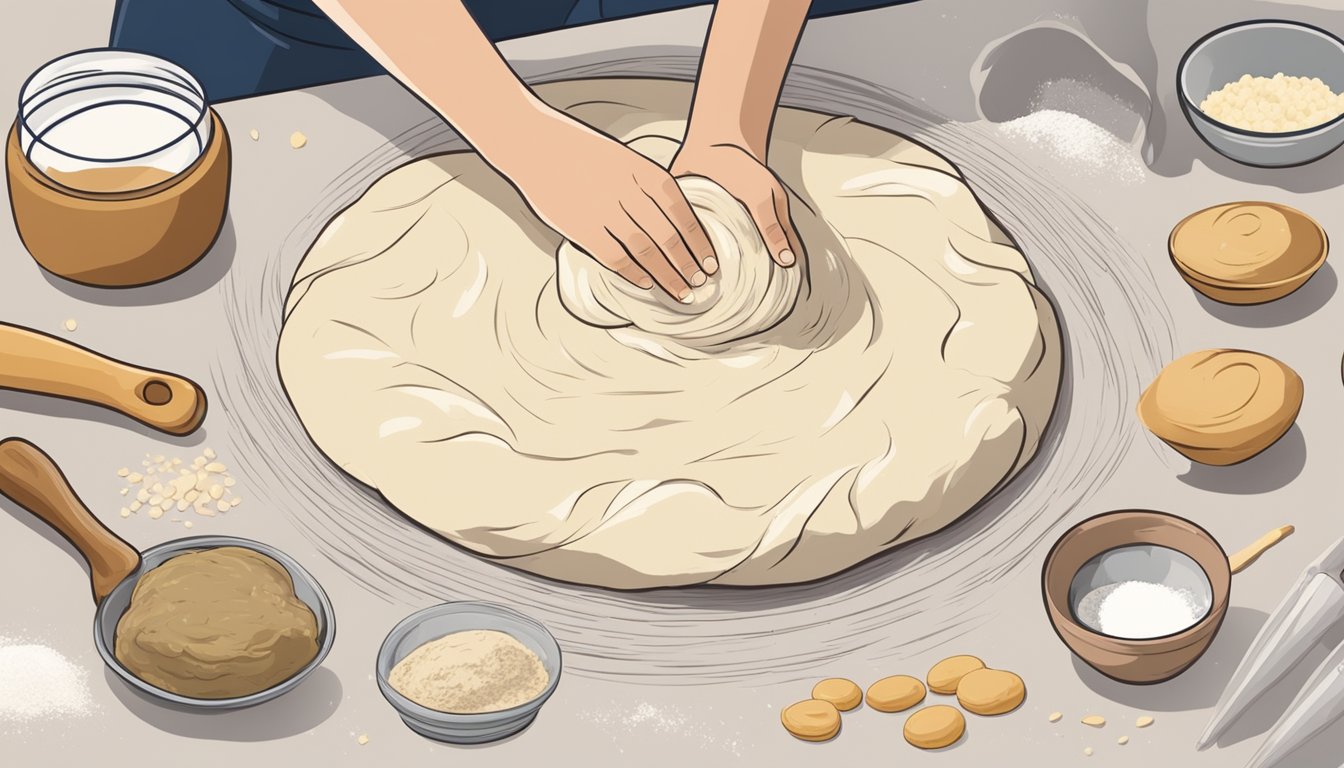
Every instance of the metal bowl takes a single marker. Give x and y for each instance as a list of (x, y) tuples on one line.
[(431, 624), (306, 589), (1262, 49)]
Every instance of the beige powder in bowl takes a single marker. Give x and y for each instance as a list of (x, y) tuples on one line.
[(474, 671)]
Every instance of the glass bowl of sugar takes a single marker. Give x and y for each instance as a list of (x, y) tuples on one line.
[(118, 169), (1137, 595)]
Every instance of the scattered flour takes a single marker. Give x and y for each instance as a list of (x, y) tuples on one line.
[(649, 718), (1078, 143), (38, 683), (1140, 609)]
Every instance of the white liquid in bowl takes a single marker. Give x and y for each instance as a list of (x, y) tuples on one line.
[(111, 121)]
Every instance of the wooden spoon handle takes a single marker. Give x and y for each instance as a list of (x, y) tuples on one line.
[(33, 481), (1250, 554), (36, 362)]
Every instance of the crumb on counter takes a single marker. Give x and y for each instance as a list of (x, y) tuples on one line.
[(297, 140)]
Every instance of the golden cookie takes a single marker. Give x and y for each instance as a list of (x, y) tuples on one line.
[(1222, 406), (991, 692), (895, 693), (945, 675), (811, 720), (935, 727), (844, 694), (1247, 253)]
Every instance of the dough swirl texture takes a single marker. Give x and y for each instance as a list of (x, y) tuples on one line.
[(443, 346), (749, 294)]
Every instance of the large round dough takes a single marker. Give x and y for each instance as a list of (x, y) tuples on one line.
[(428, 353)]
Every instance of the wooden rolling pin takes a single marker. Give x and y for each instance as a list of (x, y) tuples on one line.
[(35, 362)]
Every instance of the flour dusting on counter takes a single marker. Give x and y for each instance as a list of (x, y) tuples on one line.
[(40, 683), (623, 721), (1078, 143)]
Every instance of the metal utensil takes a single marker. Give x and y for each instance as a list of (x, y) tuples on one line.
[(33, 481), (1313, 605), (36, 362)]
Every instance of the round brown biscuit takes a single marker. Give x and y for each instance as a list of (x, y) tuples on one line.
[(945, 675), (991, 692), (811, 720), (895, 693), (844, 694), (935, 727)]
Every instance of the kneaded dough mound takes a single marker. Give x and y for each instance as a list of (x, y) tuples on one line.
[(445, 347), (216, 624)]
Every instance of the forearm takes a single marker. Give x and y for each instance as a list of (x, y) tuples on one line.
[(747, 53), (436, 49)]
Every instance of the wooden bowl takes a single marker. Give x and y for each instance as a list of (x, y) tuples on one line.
[(1134, 661), (121, 239), (1293, 252)]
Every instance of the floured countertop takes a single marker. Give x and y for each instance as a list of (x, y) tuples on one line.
[(1063, 118)]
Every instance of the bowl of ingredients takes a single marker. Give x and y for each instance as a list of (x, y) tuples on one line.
[(1137, 595), (1266, 93), (215, 622), (117, 167), (1222, 406), (468, 672), (1248, 252)]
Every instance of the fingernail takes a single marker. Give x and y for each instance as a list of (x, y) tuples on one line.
[(686, 297), (698, 279), (786, 257), (644, 283), (711, 265)]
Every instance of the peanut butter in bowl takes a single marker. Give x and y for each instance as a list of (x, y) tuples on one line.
[(1222, 406), (1248, 252)]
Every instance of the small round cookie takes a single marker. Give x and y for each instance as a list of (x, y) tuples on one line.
[(811, 720), (895, 694), (945, 675), (1222, 406), (991, 692), (844, 694), (1247, 252), (935, 727)]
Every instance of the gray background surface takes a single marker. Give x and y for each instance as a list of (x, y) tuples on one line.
[(699, 676)]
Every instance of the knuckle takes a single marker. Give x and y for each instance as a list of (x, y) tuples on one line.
[(619, 263), (644, 252), (773, 231), (672, 245)]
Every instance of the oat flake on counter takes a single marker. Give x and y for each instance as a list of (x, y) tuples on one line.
[(40, 683), (169, 485)]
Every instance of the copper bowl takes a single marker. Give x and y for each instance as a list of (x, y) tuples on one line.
[(1142, 661), (121, 239)]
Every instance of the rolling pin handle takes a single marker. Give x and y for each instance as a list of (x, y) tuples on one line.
[(32, 480)]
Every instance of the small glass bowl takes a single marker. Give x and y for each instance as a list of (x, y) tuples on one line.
[(435, 622)]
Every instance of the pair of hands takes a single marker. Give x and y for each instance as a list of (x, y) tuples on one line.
[(628, 213)]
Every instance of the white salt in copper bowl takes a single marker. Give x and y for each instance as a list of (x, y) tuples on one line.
[(1262, 49), (1148, 660), (435, 622)]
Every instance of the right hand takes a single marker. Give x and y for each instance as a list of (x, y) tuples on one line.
[(617, 206)]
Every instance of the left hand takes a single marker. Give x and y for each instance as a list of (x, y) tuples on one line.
[(744, 176)]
